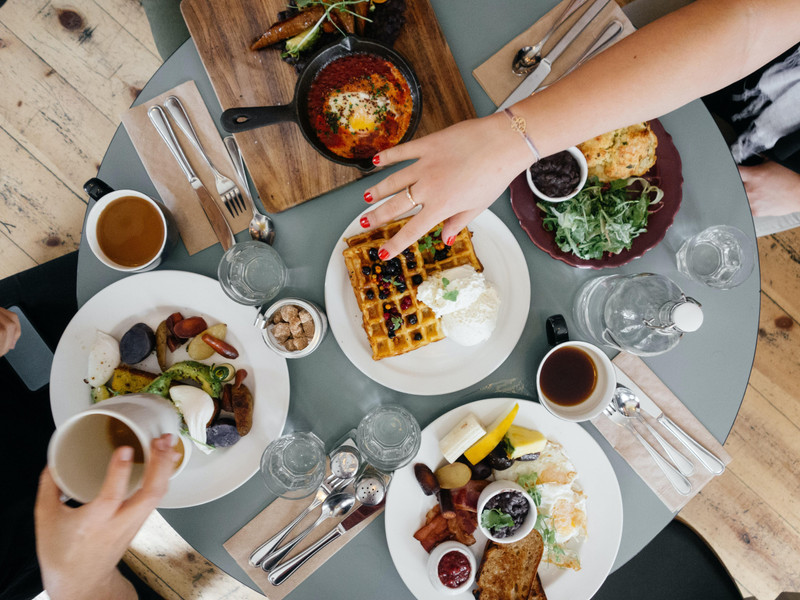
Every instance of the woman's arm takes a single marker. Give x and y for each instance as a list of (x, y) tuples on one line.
[(693, 51)]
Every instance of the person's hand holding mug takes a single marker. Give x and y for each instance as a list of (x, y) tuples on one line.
[(79, 548), (9, 330)]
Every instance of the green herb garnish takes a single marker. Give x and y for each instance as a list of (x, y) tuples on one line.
[(496, 519), (397, 322), (602, 217), (451, 295)]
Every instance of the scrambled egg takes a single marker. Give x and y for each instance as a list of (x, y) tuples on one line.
[(359, 112), (622, 153), (562, 504)]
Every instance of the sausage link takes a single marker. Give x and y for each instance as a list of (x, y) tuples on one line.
[(220, 347)]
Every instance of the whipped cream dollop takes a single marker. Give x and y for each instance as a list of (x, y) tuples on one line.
[(467, 304)]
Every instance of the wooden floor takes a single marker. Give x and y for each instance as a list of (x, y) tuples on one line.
[(69, 71)]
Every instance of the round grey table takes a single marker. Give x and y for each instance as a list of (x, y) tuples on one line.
[(709, 370)]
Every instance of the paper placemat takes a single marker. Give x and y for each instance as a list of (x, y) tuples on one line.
[(175, 190), (634, 373), (274, 518), (495, 75)]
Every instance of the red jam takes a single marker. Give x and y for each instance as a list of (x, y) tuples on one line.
[(454, 569)]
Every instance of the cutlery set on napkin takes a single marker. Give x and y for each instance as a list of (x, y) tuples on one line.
[(680, 472), (185, 175)]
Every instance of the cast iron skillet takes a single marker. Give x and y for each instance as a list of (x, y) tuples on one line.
[(235, 120)]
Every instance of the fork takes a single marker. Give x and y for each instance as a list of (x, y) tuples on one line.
[(228, 191), (329, 486), (682, 485)]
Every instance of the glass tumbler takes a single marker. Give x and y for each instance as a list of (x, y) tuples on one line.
[(721, 257), (293, 466), (389, 437), (251, 272)]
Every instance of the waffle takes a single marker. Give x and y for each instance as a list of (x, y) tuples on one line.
[(398, 323)]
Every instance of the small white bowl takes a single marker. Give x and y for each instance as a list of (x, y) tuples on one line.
[(320, 327), (584, 171), (433, 567), (497, 487)]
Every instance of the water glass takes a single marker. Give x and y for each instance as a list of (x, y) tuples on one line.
[(293, 466), (252, 272), (389, 437), (720, 256)]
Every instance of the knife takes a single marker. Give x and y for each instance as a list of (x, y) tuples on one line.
[(538, 75), (213, 212), (284, 571), (708, 460)]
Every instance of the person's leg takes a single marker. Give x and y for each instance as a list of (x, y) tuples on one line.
[(167, 24)]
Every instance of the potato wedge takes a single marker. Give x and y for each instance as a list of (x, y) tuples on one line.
[(198, 349)]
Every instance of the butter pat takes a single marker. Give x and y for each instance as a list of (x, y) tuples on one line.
[(462, 436)]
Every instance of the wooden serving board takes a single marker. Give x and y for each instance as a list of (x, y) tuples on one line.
[(285, 168)]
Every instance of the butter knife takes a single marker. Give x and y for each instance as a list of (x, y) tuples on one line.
[(283, 572), (706, 458), (218, 223), (538, 75)]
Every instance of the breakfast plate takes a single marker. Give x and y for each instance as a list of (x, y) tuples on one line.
[(444, 366), (150, 298), (666, 174), (406, 505)]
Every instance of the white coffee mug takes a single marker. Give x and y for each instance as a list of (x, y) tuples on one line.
[(80, 449), (600, 396), (168, 231)]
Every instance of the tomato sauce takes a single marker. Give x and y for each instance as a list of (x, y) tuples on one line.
[(359, 105)]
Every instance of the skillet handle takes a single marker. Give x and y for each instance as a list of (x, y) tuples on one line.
[(246, 118)]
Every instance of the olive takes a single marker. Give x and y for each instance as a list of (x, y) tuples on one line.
[(480, 471)]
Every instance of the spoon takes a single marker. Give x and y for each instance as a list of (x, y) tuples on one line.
[(529, 57), (336, 505), (261, 226), (628, 404)]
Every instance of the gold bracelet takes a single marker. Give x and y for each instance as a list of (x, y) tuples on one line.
[(519, 125)]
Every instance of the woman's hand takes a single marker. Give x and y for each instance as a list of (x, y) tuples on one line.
[(9, 330), (772, 189), (79, 548), (459, 172)]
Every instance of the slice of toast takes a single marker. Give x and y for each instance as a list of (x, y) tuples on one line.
[(509, 571)]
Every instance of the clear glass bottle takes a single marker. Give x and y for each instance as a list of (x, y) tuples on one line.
[(644, 314)]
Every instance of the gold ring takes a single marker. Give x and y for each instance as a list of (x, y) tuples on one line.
[(410, 197)]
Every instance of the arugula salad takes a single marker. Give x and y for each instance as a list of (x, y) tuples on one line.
[(602, 217)]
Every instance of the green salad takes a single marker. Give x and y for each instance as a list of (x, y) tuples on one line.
[(602, 217)]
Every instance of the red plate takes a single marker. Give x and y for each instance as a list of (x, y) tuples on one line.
[(666, 174)]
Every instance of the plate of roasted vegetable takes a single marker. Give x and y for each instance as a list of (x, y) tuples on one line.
[(177, 335)]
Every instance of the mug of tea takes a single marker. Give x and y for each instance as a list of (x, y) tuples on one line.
[(80, 449), (575, 381), (129, 231)]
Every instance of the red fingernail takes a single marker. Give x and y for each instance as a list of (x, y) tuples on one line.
[(376, 160), (364, 222), (450, 240), (367, 197), (383, 254)]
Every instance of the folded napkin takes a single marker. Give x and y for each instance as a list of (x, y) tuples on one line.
[(274, 518), (172, 185), (632, 372), (495, 75)]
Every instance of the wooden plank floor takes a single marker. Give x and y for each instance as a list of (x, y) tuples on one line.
[(75, 70)]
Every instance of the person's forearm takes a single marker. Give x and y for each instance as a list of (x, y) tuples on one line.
[(678, 58)]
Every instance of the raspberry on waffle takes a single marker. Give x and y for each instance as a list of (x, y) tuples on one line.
[(394, 320)]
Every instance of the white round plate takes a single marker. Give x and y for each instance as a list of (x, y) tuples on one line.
[(443, 366), (406, 505), (150, 298)]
